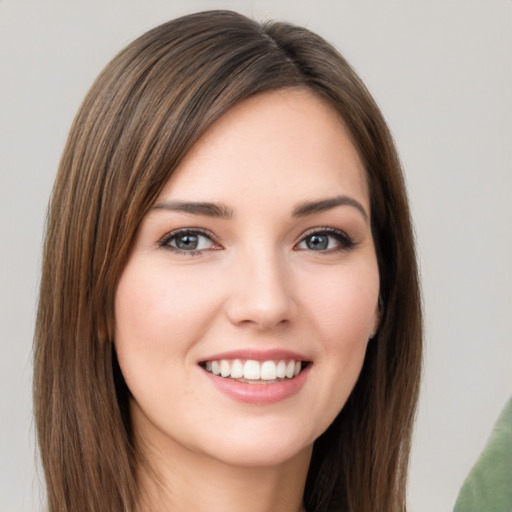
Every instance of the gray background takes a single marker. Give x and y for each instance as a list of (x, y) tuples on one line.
[(442, 74)]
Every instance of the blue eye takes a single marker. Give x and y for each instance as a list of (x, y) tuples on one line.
[(326, 240), (188, 241)]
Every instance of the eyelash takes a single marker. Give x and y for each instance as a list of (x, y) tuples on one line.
[(344, 241), (165, 242)]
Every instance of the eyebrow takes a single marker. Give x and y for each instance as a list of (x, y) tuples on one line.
[(322, 205), (196, 208), (221, 210)]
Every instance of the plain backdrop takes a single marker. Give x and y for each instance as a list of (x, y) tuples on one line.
[(441, 72)]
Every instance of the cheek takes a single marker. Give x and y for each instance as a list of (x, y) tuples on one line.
[(146, 314), (159, 317), (343, 312), (344, 305), (153, 307)]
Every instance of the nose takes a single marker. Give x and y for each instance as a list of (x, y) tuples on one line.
[(261, 295)]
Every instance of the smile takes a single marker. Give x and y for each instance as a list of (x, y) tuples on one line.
[(254, 372)]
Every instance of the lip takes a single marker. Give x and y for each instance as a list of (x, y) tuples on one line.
[(257, 355), (261, 393)]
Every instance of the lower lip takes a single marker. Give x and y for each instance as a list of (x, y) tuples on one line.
[(259, 394)]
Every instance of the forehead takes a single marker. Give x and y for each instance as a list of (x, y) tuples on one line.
[(275, 146)]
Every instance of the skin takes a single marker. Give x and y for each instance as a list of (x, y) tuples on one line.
[(255, 282)]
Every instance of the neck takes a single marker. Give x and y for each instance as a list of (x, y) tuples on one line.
[(179, 480)]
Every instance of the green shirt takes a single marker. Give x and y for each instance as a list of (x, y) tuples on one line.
[(488, 487)]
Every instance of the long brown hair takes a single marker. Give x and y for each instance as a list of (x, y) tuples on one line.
[(147, 108)]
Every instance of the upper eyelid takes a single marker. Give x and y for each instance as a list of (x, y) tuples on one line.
[(164, 241), (343, 237), (199, 231), (324, 229)]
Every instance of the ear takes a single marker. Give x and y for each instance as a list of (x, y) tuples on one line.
[(377, 315), (104, 331)]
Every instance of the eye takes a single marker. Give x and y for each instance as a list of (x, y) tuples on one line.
[(188, 241), (326, 240)]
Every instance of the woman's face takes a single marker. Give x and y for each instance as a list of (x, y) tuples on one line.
[(257, 261)]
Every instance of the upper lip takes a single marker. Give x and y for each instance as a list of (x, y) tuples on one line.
[(258, 355)]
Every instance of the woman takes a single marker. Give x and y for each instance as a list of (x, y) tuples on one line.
[(229, 311)]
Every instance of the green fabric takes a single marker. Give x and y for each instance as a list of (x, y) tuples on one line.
[(488, 487)]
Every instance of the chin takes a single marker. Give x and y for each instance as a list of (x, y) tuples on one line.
[(261, 452), (261, 441)]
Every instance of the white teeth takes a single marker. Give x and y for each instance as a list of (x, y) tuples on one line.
[(254, 370), (237, 369), (268, 370), (225, 368)]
